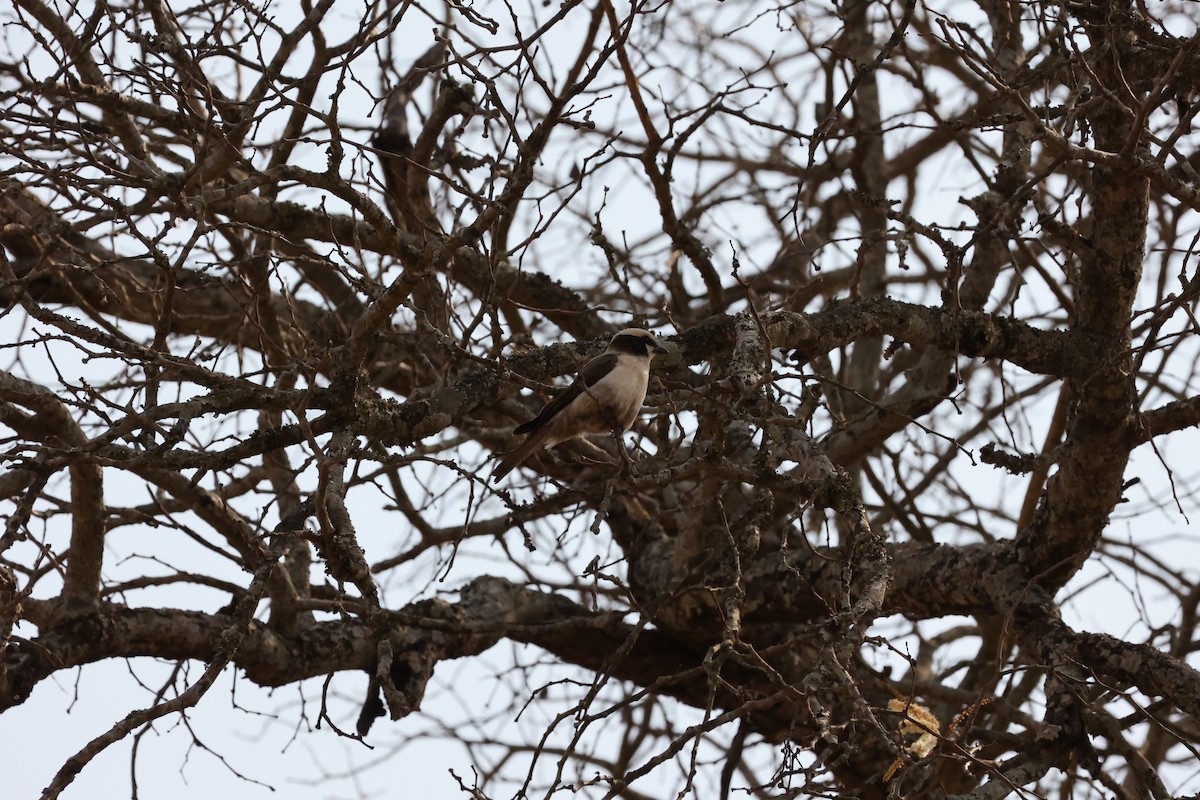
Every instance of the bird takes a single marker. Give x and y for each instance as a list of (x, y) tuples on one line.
[(606, 396)]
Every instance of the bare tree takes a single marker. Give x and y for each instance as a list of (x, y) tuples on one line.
[(905, 514)]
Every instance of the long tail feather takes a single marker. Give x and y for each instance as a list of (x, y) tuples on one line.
[(509, 461)]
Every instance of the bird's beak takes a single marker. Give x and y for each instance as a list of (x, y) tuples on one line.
[(658, 348)]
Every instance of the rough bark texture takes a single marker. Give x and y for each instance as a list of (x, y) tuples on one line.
[(928, 280)]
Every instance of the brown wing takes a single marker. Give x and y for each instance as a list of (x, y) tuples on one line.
[(592, 373)]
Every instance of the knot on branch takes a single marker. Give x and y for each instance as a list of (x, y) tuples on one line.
[(1016, 464)]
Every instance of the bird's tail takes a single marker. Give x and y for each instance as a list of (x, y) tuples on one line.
[(510, 460)]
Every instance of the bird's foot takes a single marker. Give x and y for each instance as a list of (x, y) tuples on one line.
[(623, 451)]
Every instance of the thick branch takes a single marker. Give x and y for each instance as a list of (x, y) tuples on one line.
[(54, 424)]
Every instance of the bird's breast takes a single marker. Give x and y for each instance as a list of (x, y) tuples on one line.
[(612, 402)]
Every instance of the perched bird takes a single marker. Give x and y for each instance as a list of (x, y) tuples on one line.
[(606, 396)]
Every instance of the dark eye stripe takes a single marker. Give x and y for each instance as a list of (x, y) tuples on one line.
[(638, 344)]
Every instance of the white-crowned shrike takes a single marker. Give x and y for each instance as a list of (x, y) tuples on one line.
[(606, 397)]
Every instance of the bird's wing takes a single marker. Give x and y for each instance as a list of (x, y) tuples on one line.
[(592, 373)]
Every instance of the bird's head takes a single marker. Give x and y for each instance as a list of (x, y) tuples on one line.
[(636, 342)]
